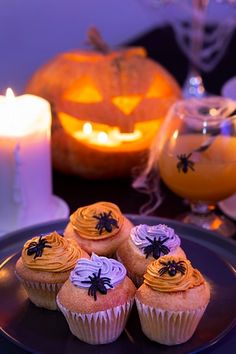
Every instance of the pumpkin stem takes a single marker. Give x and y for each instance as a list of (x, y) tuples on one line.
[(96, 41)]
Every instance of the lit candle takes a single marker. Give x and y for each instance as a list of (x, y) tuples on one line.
[(25, 162)]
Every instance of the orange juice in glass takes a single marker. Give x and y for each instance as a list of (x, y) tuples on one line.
[(197, 158)]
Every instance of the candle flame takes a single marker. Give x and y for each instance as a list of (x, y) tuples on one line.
[(213, 111), (176, 133), (102, 138), (9, 93), (87, 128)]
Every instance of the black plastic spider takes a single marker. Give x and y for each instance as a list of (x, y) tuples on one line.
[(105, 222), (185, 163), (37, 247), (172, 267), (156, 247), (97, 284)]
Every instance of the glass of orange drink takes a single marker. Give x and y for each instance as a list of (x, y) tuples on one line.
[(197, 157)]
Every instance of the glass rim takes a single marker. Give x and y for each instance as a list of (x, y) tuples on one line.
[(210, 109)]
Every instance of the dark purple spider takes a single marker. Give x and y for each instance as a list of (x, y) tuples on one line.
[(172, 267), (37, 247), (97, 284), (105, 221), (156, 247), (185, 163)]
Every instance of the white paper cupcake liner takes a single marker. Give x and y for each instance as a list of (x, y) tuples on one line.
[(99, 327), (42, 294), (168, 327)]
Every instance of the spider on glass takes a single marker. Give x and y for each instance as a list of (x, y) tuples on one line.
[(185, 163)]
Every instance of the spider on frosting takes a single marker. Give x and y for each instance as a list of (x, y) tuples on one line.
[(156, 247), (172, 268), (97, 284), (37, 248), (105, 221)]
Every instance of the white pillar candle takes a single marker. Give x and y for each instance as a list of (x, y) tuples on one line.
[(25, 161)]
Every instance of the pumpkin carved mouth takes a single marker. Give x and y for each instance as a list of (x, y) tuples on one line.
[(85, 132)]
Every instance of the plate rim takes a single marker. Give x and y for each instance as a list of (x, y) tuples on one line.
[(10, 236), (223, 247)]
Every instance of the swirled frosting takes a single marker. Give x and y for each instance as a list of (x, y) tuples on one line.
[(85, 220), (141, 233), (158, 277), (86, 268), (61, 256)]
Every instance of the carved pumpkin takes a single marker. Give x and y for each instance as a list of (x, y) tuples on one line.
[(107, 109)]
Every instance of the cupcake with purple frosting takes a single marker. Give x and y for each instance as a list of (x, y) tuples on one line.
[(97, 299), (146, 244)]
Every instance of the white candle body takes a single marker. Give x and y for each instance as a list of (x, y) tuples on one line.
[(25, 163)]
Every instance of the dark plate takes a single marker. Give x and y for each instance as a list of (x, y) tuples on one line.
[(43, 331)]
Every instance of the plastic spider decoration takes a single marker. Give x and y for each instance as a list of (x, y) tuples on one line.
[(37, 248), (105, 221), (172, 267), (156, 247), (185, 163), (97, 284)]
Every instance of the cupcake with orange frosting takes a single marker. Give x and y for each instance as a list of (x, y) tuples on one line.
[(97, 299), (172, 300), (100, 228), (45, 264), (145, 244)]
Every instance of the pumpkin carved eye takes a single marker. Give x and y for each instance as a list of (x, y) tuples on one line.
[(83, 91)]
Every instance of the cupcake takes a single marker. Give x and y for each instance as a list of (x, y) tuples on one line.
[(45, 264), (145, 244), (172, 300), (97, 299), (99, 228)]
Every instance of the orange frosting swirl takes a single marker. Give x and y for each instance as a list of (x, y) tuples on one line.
[(158, 277), (84, 222), (60, 257)]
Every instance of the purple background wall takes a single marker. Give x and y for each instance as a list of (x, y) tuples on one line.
[(33, 31)]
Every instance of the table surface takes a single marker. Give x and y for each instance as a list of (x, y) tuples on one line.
[(78, 192)]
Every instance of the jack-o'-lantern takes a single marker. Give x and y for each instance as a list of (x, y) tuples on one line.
[(107, 108)]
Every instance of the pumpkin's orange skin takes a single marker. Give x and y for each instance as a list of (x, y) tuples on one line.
[(120, 73)]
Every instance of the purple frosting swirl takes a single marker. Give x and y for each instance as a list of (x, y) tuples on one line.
[(86, 267), (140, 233)]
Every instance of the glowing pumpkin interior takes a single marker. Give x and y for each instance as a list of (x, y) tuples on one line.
[(84, 91), (105, 106)]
